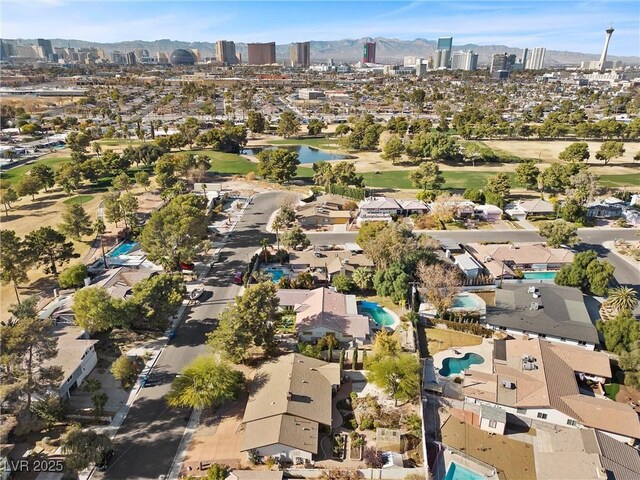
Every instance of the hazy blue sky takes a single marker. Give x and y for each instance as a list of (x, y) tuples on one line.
[(562, 25)]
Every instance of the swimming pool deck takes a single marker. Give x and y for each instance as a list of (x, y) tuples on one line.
[(485, 350)]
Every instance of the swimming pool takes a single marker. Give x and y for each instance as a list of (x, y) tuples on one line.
[(540, 275), (276, 273), (452, 365), (378, 313), (466, 301), (123, 248), (458, 472)]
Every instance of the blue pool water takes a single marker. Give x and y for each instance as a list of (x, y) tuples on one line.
[(305, 153), (465, 301), (379, 314), (122, 249), (457, 472), (540, 275), (452, 365), (276, 273)]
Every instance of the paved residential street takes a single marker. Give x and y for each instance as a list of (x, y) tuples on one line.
[(150, 435)]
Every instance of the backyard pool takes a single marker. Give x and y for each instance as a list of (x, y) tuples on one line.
[(466, 301), (305, 153), (276, 273), (457, 472), (452, 365), (378, 313), (122, 249), (540, 275)]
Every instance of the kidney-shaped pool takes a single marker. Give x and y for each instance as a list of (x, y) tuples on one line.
[(452, 365)]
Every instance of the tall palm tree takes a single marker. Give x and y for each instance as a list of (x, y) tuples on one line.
[(622, 298), (83, 448), (264, 243)]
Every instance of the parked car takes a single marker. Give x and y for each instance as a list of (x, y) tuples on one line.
[(237, 278)]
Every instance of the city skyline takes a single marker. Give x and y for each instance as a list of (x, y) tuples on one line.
[(553, 25)]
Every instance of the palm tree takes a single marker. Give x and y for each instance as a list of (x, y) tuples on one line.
[(362, 277), (84, 448), (264, 243), (92, 385), (99, 400), (97, 148), (100, 228), (622, 298)]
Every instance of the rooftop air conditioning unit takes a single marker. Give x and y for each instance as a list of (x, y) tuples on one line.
[(531, 289), (508, 385), (536, 295), (488, 258), (534, 306)]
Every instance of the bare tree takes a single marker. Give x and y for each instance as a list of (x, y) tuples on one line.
[(439, 284)]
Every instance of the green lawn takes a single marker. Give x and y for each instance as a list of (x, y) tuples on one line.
[(621, 180), (16, 174), (612, 390), (453, 179), (226, 163), (324, 143), (115, 142), (78, 200)]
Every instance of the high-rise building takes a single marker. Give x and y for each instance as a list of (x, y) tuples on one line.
[(444, 58), (369, 52), (502, 62), (300, 54), (6, 49), (525, 57), (603, 57), (47, 49), (535, 60), (162, 58), (117, 57), (262, 53), (131, 58), (464, 60), (27, 51), (226, 52)]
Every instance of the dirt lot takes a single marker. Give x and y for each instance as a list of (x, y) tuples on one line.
[(514, 460), (548, 151), (37, 104), (440, 339)]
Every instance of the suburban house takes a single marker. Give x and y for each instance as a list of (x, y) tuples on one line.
[(322, 311), (119, 281), (522, 209), (325, 210), (459, 208), (510, 260), (288, 406), (323, 264), (488, 213), (492, 419), (537, 379), (610, 207), (556, 313), (76, 356), (383, 209)]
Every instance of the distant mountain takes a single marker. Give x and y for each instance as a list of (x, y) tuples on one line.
[(388, 50)]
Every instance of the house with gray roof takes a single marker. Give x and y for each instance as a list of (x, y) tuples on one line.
[(552, 312), (290, 402)]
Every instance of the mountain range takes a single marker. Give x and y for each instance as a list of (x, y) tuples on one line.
[(388, 50)]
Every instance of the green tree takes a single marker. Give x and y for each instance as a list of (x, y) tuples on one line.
[(344, 173), (294, 238), (576, 152), (622, 298), (7, 196), (527, 175), (248, 323), (399, 376), (112, 207), (14, 261), (584, 186), (204, 383), (427, 176), (84, 448), (559, 232), (278, 165), (599, 275), (610, 150), (124, 369), (69, 177), (122, 182), (96, 311), (45, 174), (572, 210), (499, 185), (386, 344), (315, 126), (475, 195), (363, 278), (288, 125), (76, 222), (142, 179), (28, 185), (622, 333), (256, 121), (342, 283), (27, 344), (157, 299), (392, 282), (393, 149), (128, 206), (554, 178), (73, 277), (99, 401), (49, 248), (587, 273), (174, 233)]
